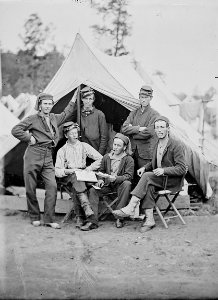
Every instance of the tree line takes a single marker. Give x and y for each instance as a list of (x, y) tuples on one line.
[(32, 68)]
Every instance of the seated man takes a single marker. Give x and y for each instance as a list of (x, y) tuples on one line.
[(168, 159), (73, 156), (120, 166)]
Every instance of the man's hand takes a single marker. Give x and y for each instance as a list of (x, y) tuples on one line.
[(142, 128), (69, 171), (158, 171), (100, 183), (141, 171), (74, 96), (32, 140), (112, 178)]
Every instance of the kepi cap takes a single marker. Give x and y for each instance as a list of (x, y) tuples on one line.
[(146, 90), (42, 96), (87, 91), (70, 125)]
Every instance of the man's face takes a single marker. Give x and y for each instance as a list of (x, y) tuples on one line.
[(161, 129), (88, 101), (144, 100), (46, 106), (72, 135), (118, 146)]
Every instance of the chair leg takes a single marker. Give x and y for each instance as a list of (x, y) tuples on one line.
[(175, 209), (161, 217)]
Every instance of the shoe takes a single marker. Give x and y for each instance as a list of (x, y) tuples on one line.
[(88, 226), (79, 222), (53, 225), (146, 228), (119, 213), (36, 223), (119, 223)]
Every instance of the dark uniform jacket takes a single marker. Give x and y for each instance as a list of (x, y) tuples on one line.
[(144, 141), (125, 171), (35, 125), (173, 162), (94, 130)]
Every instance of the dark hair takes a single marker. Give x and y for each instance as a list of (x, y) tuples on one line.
[(162, 118)]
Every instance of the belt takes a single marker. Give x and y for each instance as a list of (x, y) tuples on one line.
[(44, 146)]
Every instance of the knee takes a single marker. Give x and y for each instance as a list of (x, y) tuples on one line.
[(127, 184)]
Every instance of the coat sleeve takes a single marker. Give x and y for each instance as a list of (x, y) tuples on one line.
[(127, 127), (20, 131), (93, 154), (148, 132), (103, 133), (60, 164), (179, 167), (69, 110), (128, 171)]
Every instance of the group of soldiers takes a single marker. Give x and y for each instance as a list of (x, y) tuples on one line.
[(141, 154)]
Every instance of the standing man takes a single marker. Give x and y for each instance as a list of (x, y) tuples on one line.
[(41, 133), (94, 129), (168, 159), (139, 126), (119, 165), (73, 156)]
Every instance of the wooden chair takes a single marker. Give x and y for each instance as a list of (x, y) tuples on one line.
[(171, 198), (63, 187), (106, 199)]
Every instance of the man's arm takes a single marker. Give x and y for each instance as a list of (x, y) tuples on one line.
[(60, 164), (147, 131), (127, 127), (69, 110), (93, 154), (20, 131), (103, 133)]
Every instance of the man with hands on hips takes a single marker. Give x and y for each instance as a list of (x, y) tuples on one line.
[(41, 133)]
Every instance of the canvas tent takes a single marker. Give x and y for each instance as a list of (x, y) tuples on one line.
[(117, 86), (7, 121)]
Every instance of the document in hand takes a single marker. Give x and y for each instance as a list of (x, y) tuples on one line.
[(83, 175)]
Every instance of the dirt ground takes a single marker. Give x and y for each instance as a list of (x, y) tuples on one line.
[(109, 263)]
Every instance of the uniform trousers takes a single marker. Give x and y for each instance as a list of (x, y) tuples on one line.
[(79, 187), (38, 160), (123, 192), (147, 188)]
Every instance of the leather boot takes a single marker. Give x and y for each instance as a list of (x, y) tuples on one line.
[(84, 201), (149, 222), (129, 210)]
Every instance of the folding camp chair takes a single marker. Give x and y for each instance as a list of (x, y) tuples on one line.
[(171, 198), (106, 199), (64, 187)]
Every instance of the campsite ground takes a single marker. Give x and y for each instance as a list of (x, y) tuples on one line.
[(43, 263)]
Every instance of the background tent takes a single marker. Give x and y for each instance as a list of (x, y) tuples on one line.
[(117, 86), (7, 121)]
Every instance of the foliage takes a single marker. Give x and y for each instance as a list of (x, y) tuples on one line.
[(37, 37), (115, 24), (31, 69)]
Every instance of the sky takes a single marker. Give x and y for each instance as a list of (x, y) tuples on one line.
[(177, 37)]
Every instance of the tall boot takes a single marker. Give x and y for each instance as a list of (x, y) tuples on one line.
[(149, 222), (84, 200), (129, 210)]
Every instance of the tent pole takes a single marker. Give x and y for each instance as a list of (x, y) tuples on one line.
[(78, 101)]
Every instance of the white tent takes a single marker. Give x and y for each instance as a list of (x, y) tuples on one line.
[(115, 77), (7, 121)]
